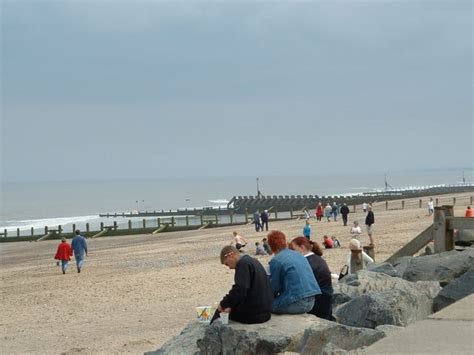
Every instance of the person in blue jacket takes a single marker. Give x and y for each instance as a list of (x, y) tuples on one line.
[(293, 283), (79, 247), (307, 230)]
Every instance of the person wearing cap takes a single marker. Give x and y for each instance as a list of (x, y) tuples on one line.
[(250, 298), (79, 246), (63, 254), (264, 218), (354, 244)]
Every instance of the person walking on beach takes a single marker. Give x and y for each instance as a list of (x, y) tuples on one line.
[(63, 254), (79, 246), (256, 221), (369, 222), (250, 298), (328, 211), (307, 230), (319, 212), (344, 213), (264, 218), (430, 206), (334, 211)]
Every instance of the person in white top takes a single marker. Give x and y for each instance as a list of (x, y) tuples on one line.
[(430, 207), (364, 207), (355, 229), (354, 244)]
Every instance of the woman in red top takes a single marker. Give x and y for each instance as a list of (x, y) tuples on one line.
[(319, 212), (469, 212), (63, 254)]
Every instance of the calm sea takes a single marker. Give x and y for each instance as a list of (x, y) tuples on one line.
[(39, 204)]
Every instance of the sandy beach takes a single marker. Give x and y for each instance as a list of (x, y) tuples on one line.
[(136, 292)]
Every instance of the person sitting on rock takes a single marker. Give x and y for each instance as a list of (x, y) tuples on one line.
[(312, 252), (250, 298), (354, 244), (293, 283)]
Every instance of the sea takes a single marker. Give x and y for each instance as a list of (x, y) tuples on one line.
[(24, 205)]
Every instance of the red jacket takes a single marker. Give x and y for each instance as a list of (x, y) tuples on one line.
[(319, 211), (469, 213), (64, 251)]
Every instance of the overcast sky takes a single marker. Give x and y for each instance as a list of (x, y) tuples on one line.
[(106, 89)]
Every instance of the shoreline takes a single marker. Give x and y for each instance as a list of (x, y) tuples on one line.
[(136, 292)]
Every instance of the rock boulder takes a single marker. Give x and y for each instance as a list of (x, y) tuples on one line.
[(454, 291)]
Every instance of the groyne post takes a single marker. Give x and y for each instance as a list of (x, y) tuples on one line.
[(73, 228), (60, 229), (187, 220), (115, 225), (231, 217), (291, 212), (129, 224), (386, 205), (437, 202), (419, 203), (470, 199), (32, 232), (88, 227), (403, 204), (443, 239), (158, 222), (354, 208), (5, 233), (202, 220), (173, 222), (18, 232), (454, 201), (246, 216), (101, 226), (276, 214), (144, 223), (217, 219), (356, 261), (46, 230)]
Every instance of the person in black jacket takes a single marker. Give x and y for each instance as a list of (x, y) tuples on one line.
[(344, 213), (369, 222), (250, 298), (264, 218)]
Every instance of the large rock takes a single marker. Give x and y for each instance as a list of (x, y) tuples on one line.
[(442, 267), (464, 237), (304, 334), (395, 307), (459, 288), (372, 282), (385, 268)]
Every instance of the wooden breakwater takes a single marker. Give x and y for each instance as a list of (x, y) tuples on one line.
[(145, 226), (298, 202)]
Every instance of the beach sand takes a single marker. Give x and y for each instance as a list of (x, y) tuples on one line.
[(136, 292)]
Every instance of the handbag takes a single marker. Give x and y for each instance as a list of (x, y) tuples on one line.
[(344, 271)]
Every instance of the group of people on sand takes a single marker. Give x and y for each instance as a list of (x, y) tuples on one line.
[(297, 281), (260, 220), (65, 251)]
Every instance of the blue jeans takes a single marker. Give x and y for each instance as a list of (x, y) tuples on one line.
[(79, 260), (64, 264), (299, 307)]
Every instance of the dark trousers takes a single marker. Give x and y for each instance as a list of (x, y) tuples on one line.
[(265, 224), (344, 219), (258, 226), (323, 307)]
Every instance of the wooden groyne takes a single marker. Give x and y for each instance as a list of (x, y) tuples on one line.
[(298, 202)]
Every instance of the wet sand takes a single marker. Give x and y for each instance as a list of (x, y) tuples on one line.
[(136, 292)]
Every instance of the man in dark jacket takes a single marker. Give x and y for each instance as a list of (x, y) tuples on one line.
[(264, 218), (369, 222), (344, 213), (250, 298)]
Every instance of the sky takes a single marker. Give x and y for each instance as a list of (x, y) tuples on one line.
[(151, 89)]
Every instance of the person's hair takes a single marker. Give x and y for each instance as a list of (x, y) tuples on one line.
[(78, 232), (308, 244), (277, 241), (355, 222), (468, 207), (354, 244), (235, 233), (226, 251), (325, 237), (63, 239), (257, 243), (264, 239)]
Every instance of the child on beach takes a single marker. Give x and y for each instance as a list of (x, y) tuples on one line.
[(327, 242), (307, 230), (356, 230), (266, 246), (63, 254), (259, 249), (239, 241), (335, 242)]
